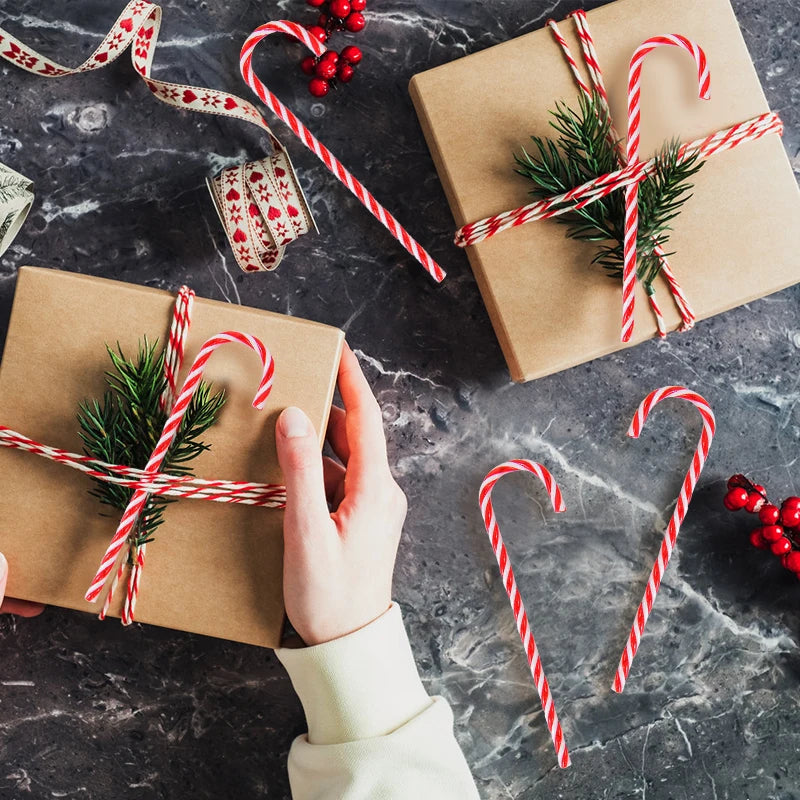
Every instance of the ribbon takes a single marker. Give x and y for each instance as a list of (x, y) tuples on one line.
[(510, 584), (260, 204), (123, 547), (678, 515), (16, 200), (633, 171)]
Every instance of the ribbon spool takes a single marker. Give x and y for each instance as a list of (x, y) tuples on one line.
[(16, 200)]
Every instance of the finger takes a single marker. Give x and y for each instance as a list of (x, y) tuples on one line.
[(364, 422), (301, 461), (337, 434), (22, 608), (333, 475)]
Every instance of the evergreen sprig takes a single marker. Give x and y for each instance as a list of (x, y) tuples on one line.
[(125, 426), (583, 151)]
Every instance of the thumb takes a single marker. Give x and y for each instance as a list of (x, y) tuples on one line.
[(301, 461), (3, 577)]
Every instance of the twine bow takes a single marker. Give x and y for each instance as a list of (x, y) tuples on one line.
[(634, 171), (149, 481)]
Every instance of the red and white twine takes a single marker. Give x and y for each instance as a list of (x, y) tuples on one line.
[(682, 506), (633, 171), (149, 481), (510, 584), (260, 203)]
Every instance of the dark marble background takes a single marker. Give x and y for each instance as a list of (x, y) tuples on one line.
[(712, 709)]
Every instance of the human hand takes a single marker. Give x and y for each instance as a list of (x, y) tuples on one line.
[(337, 566), (21, 607)]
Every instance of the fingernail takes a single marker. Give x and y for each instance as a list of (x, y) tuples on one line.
[(294, 423)]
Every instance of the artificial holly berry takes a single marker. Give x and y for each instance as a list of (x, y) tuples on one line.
[(308, 65), (790, 516), (769, 514), (319, 87), (772, 533), (318, 33), (352, 54), (330, 55), (355, 22), (791, 501), (736, 498), (323, 20), (755, 501), (757, 540), (792, 561), (358, 5), (340, 8), (782, 546), (345, 73), (325, 69), (315, 3)]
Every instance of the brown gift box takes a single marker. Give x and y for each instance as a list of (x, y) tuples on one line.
[(736, 239), (213, 568)]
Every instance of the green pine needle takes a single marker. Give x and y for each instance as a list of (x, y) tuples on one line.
[(581, 152), (125, 426)]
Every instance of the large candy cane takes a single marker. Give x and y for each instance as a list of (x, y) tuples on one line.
[(137, 503), (632, 191), (510, 583), (312, 143), (671, 535)]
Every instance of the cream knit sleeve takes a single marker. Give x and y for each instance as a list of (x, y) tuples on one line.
[(373, 731)]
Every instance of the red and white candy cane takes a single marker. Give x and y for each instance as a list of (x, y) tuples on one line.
[(139, 499), (300, 33), (510, 583), (632, 191), (671, 535)]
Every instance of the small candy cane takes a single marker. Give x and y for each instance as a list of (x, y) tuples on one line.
[(671, 535), (510, 583), (632, 191)]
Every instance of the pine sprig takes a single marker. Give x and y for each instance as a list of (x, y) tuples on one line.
[(583, 151), (125, 426)]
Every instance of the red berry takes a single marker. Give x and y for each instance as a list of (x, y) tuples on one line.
[(355, 22), (736, 499), (352, 54), (345, 73), (308, 65), (757, 540), (772, 532), (791, 502), (769, 514), (754, 502), (792, 561), (783, 545), (318, 87), (358, 5), (790, 516), (315, 3), (323, 20), (330, 55), (318, 33), (340, 8), (325, 69)]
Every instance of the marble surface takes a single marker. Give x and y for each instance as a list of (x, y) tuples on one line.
[(712, 709)]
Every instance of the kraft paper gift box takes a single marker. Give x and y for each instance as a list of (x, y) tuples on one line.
[(213, 568), (736, 239)]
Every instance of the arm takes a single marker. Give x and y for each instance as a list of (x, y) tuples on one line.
[(373, 731)]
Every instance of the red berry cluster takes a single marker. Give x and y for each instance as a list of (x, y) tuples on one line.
[(340, 15), (780, 527)]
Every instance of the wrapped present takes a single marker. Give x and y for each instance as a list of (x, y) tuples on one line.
[(16, 200), (734, 240), (213, 568)]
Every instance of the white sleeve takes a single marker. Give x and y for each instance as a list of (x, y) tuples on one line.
[(373, 731)]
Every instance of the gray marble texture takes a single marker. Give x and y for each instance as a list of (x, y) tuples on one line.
[(712, 710)]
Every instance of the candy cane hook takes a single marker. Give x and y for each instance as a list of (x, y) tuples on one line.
[(632, 191), (671, 535), (510, 583), (137, 503)]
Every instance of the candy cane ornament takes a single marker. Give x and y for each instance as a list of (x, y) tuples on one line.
[(678, 515), (510, 583), (632, 191)]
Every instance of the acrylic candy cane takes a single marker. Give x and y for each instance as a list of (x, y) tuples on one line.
[(671, 535), (510, 583)]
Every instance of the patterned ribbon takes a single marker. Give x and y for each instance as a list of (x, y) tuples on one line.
[(124, 548), (634, 170), (16, 200), (682, 506), (260, 204), (510, 584)]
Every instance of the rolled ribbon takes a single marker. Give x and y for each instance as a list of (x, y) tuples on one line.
[(16, 200)]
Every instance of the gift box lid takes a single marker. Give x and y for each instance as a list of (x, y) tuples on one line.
[(735, 240), (213, 568)]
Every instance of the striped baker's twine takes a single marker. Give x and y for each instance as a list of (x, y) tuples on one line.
[(302, 35), (634, 171), (510, 584), (682, 506)]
